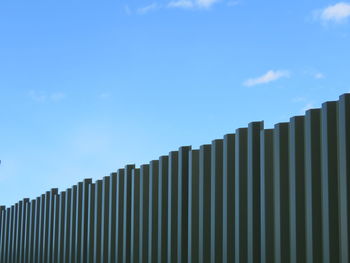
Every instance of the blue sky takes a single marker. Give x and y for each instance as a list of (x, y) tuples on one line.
[(90, 86)]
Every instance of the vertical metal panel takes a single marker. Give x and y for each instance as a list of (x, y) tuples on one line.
[(297, 190), (46, 227), (241, 195), (105, 219), (266, 196), (55, 230), (204, 203), (97, 221), (127, 213), (82, 244), (61, 227), (22, 233), (228, 214), (27, 227), (50, 228), (144, 210), (216, 201), (14, 233), (135, 216), (313, 186), (182, 214), (162, 208), (67, 222), (41, 229), (2, 231), (120, 215), (253, 191), (330, 203), (153, 212), (281, 193), (31, 236), (91, 224), (18, 232), (193, 205), (9, 239), (172, 207), (72, 226), (344, 175), (36, 237), (78, 223), (112, 218)]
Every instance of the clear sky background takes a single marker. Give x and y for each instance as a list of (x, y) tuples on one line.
[(87, 87)]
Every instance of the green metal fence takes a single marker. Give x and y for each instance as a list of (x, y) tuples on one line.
[(259, 195)]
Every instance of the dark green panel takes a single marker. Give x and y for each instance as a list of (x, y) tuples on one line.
[(127, 213), (15, 232), (72, 226), (344, 175), (78, 223), (266, 197), (27, 227), (228, 212), (281, 192), (120, 215), (253, 191), (105, 218), (193, 205), (297, 190), (22, 232), (41, 229), (67, 222), (82, 245), (30, 247), (182, 214), (172, 207), (144, 210), (241, 195), (90, 224), (55, 231), (2, 231), (18, 233), (36, 230), (330, 186), (50, 223), (216, 205), (61, 227), (97, 221), (112, 217), (135, 216), (313, 186), (204, 202), (153, 211), (162, 208)]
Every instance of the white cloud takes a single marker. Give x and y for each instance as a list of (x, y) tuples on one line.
[(319, 75), (206, 3), (335, 13), (44, 97), (127, 10), (270, 76), (181, 4), (148, 8), (192, 3)]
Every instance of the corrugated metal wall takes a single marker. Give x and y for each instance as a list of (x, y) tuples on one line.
[(259, 195)]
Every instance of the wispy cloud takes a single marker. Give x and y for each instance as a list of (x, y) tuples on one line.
[(271, 75), (337, 13), (148, 8), (181, 4), (44, 97), (192, 3), (319, 75)]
